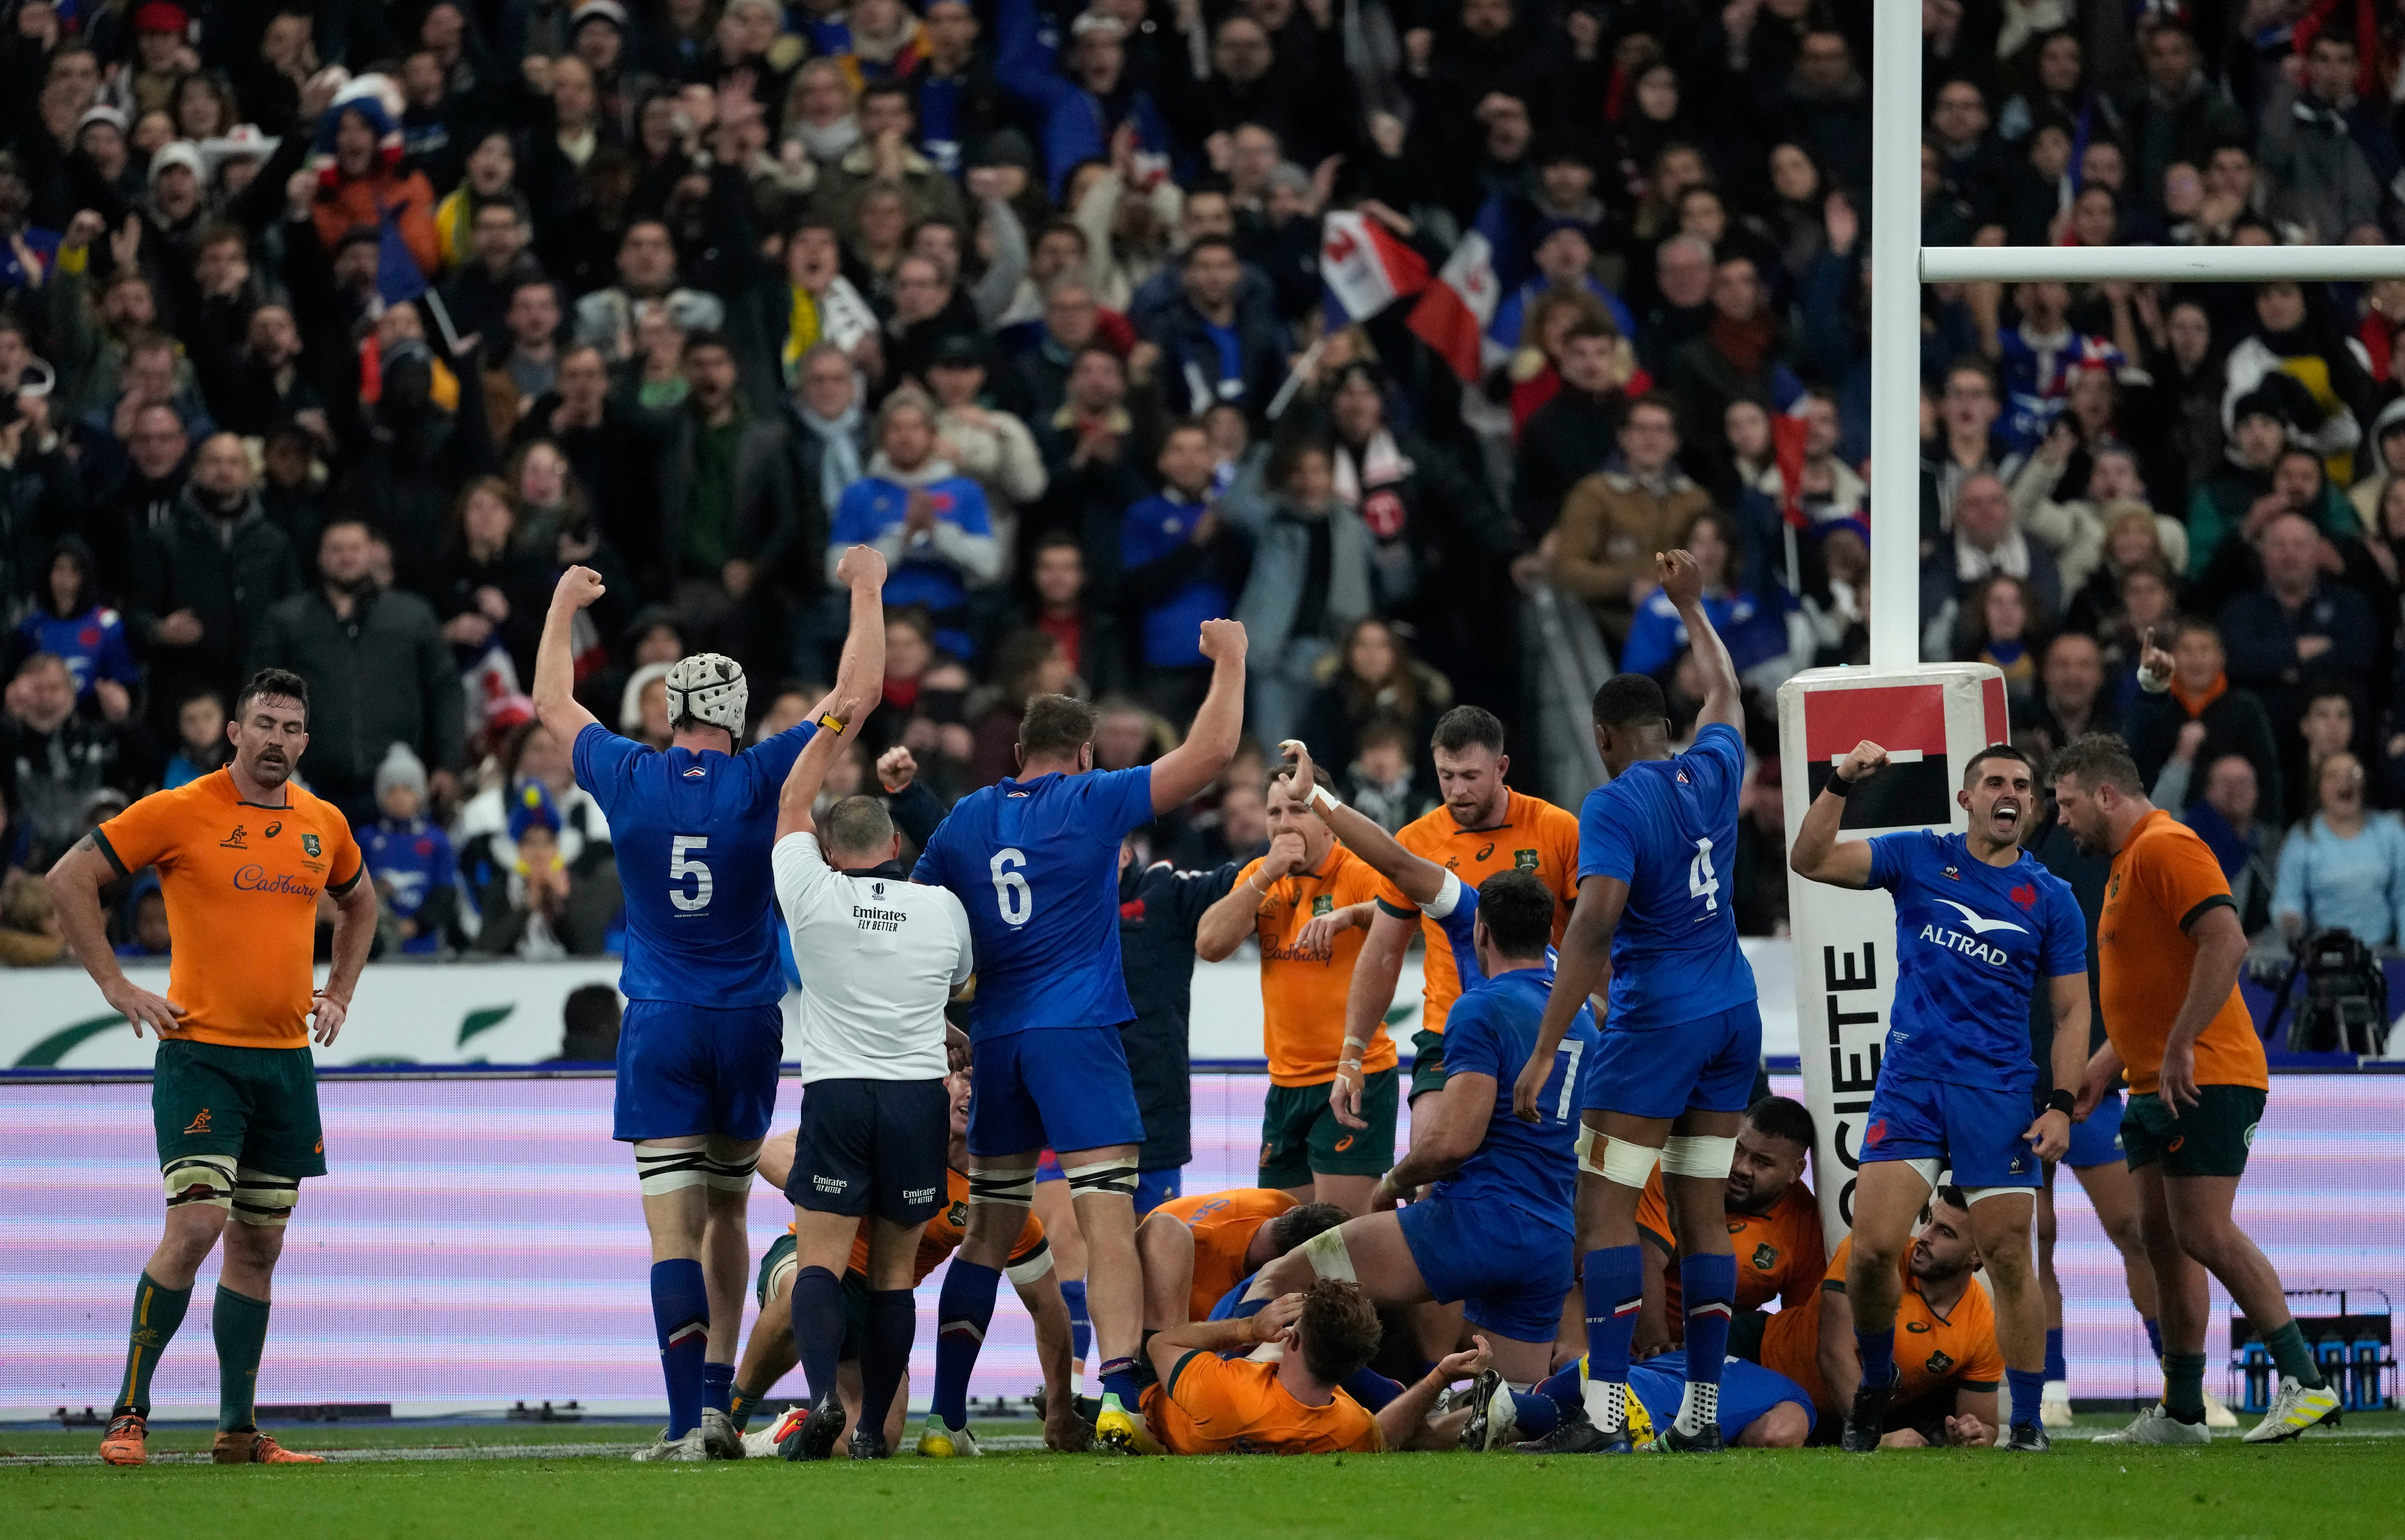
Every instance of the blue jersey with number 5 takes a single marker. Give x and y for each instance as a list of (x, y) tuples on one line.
[(1530, 1167), (1668, 828), (692, 833), (1037, 866)]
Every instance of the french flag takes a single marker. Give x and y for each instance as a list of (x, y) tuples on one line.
[(1365, 266), (1452, 317)]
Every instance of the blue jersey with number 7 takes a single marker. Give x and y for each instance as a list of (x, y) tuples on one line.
[(1668, 828), (1037, 866), (692, 833)]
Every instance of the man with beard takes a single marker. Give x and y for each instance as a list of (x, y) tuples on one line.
[(242, 855), (1773, 1223), (1979, 922)]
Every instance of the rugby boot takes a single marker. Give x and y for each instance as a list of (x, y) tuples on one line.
[(814, 1436), (1119, 1431), (2295, 1408), (673, 1449), (1578, 1434), (122, 1444), (1494, 1416), (1867, 1420), (250, 1447), (2026, 1438), (719, 1439), (939, 1442), (2156, 1425), (865, 1444), (2216, 1415), (1705, 1440), (759, 1443)]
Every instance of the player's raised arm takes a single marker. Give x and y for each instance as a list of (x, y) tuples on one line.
[(1180, 775), (1682, 584), (1421, 880), (1584, 955), (1818, 853), (860, 673), (555, 659)]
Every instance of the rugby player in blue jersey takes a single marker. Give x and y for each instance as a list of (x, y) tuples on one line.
[(691, 827), (1034, 859), (1674, 1072), (1980, 924)]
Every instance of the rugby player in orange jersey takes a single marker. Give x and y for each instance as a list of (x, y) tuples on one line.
[(1196, 1248), (770, 1354), (1774, 1226), (242, 855)]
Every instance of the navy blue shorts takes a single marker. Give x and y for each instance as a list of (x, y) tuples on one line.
[(1975, 1129), (1747, 1391), (1066, 1088), (686, 1070), (1509, 1272), (872, 1146), (2098, 1140), (1704, 1066)]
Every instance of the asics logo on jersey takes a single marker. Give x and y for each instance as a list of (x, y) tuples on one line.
[(1980, 924)]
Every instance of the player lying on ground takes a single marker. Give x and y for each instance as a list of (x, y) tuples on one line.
[(771, 1354), (1194, 1249), (1494, 1229), (1674, 1067), (1293, 1399), (242, 855), (1979, 926), (1945, 1358), (1035, 860), (2168, 949), (691, 830), (1760, 1408)]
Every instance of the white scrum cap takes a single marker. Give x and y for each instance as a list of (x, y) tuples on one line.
[(709, 686)]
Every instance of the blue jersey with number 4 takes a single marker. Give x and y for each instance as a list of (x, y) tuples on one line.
[(1668, 828), (1971, 942), (1037, 866), (692, 833), (1530, 1166)]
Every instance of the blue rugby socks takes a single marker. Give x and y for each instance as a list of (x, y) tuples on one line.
[(1616, 1289), (885, 1353), (680, 1316), (817, 1299), (962, 1312), (1877, 1351), (1708, 1285), (1081, 1325), (2056, 1368), (1118, 1380), (2153, 1334), (718, 1387), (2028, 1389), (1537, 1414)]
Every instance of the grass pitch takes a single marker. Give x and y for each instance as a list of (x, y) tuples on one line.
[(2349, 1485)]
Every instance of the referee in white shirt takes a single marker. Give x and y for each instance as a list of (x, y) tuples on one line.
[(879, 956)]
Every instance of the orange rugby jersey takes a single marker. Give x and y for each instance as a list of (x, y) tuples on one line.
[(1780, 1255), (241, 880), (1223, 1226), (2163, 879), (1303, 995), (1534, 836), (1211, 1405), (1959, 1349)]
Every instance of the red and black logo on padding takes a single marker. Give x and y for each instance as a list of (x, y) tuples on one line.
[(1909, 720)]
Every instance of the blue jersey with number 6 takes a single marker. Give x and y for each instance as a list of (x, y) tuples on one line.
[(1668, 828), (1037, 866), (692, 833)]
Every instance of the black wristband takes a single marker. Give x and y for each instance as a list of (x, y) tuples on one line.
[(1837, 784), (2060, 1101)]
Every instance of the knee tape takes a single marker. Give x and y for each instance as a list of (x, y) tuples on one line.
[(1329, 1256), (1011, 1189), (730, 1164), (204, 1178), (662, 1170), (1623, 1164), (1698, 1154), (1929, 1169), (1981, 1195), (261, 1197), (1102, 1177)]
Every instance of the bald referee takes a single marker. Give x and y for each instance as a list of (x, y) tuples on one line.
[(879, 956)]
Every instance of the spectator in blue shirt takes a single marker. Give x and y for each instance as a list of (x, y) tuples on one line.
[(408, 858), (929, 522), (87, 635), (1564, 252), (201, 726), (2344, 867), (1181, 564)]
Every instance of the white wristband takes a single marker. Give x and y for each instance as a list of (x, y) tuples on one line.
[(1322, 798)]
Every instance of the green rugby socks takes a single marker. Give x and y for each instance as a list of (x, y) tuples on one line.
[(2184, 1386), (157, 1310), (239, 1324), (2288, 1349)]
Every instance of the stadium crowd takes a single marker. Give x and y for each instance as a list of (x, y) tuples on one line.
[(331, 333)]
